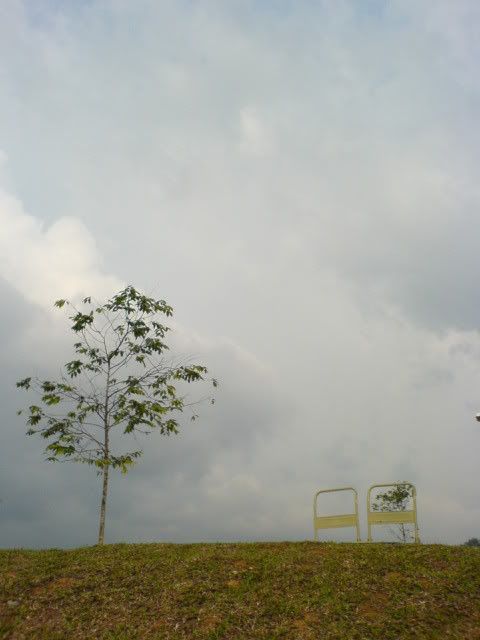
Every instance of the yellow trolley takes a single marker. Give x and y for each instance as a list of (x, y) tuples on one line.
[(393, 517), (335, 522)]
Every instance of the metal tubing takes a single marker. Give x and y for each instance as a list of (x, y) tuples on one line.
[(329, 522), (397, 517)]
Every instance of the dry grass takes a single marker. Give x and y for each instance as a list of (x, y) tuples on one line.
[(291, 590)]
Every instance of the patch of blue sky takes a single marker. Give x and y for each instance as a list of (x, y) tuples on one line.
[(378, 12), (369, 9), (41, 14), (364, 14)]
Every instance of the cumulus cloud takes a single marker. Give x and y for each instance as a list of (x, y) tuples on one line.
[(45, 263)]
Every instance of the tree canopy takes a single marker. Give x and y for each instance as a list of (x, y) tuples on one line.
[(119, 382)]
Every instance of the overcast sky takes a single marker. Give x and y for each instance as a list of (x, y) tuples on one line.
[(300, 181)]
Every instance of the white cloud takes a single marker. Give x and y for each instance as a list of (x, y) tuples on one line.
[(255, 137), (302, 184), (44, 262)]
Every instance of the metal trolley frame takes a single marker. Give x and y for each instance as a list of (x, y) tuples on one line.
[(335, 522), (392, 517)]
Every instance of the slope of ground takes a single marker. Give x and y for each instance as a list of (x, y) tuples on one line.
[(289, 590)]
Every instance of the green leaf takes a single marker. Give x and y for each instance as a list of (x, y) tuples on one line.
[(122, 378), (82, 320)]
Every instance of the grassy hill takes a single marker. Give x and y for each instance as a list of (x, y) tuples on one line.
[(289, 590)]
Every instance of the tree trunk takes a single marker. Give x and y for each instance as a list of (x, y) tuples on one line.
[(101, 530), (106, 453)]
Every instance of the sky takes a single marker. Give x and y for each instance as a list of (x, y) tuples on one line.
[(299, 180)]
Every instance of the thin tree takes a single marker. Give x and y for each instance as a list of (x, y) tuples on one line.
[(119, 383), (472, 542), (396, 499)]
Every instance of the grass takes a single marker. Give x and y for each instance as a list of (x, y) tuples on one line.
[(212, 591)]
